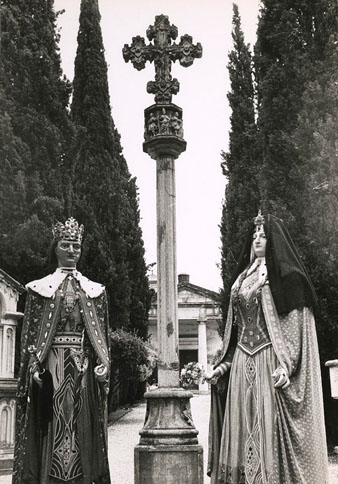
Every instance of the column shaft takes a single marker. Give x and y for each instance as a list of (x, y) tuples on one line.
[(202, 351), (167, 324)]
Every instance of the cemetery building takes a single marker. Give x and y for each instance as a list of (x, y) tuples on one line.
[(199, 316), (10, 291)]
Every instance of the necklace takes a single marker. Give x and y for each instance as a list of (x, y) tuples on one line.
[(69, 296)]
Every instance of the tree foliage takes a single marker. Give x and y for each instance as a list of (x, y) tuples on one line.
[(316, 141), (239, 162), (296, 148), (36, 134), (296, 60), (283, 66), (105, 196)]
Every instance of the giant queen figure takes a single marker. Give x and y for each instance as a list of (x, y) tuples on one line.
[(267, 418), (64, 373)]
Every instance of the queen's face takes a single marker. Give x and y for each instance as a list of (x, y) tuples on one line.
[(259, 243), (68, 253)]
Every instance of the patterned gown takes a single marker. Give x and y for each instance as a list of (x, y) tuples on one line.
[(73, 450), (260, 434), (247, 440)]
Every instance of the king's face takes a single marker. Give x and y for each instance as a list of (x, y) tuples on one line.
[(68, 253)]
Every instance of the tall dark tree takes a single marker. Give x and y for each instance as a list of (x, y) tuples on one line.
[(296, 60), (283, 61), (140, 292), (36, 135), (105, 196), (239, 163), (316, 141)]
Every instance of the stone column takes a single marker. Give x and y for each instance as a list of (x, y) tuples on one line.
[(8, 384), (167, 323), (202, 351), (168, 451), (7, 343), (333, 369)]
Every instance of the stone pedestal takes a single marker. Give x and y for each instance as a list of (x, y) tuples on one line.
[(168, 451), (180, 464), (333, 367)]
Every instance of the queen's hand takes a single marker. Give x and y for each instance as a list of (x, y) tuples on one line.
[(213, 376), (280, 378)]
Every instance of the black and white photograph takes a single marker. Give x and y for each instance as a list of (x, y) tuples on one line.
[(169, 242)]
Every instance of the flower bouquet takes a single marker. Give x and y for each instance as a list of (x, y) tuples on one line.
[(191, 374)]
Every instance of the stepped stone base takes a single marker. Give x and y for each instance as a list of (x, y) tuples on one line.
[(165, 464), (168, 452)]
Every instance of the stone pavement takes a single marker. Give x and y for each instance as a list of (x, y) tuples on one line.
[(123, 436)]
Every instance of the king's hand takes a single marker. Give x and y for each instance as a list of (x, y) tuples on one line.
[(101, 372), (37, 379)]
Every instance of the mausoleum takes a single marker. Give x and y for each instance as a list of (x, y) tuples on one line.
[(198, 319)]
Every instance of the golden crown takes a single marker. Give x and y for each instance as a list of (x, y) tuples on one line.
[(259, 220), (70, 230)]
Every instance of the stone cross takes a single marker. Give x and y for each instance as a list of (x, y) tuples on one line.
[(168, 451), (162, 52)]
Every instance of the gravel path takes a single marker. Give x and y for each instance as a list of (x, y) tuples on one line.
[(123, 436)]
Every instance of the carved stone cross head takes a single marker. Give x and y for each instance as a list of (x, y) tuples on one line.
[(162, 52)]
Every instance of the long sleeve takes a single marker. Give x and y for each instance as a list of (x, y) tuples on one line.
[(287, 332), (292, 326), (229, 339)]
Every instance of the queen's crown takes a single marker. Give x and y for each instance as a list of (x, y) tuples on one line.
[(259, 220)]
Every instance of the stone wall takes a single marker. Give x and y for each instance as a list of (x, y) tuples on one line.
[(10, 291)]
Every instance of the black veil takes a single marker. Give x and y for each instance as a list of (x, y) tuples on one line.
[(289, 281)]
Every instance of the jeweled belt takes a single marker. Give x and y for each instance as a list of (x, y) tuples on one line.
[(69, 339)]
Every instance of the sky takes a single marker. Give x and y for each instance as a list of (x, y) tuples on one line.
[(200, 184)]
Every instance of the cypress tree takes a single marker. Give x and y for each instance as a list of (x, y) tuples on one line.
[(295, 62), (284, 64), (291, 38), (35, 138), (316, 141), (140, 292), (282, 67), (105, 196), (239, 163)]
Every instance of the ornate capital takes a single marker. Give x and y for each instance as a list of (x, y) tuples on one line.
[(163, 131)]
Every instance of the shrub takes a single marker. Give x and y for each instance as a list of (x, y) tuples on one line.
[(133, 360)]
